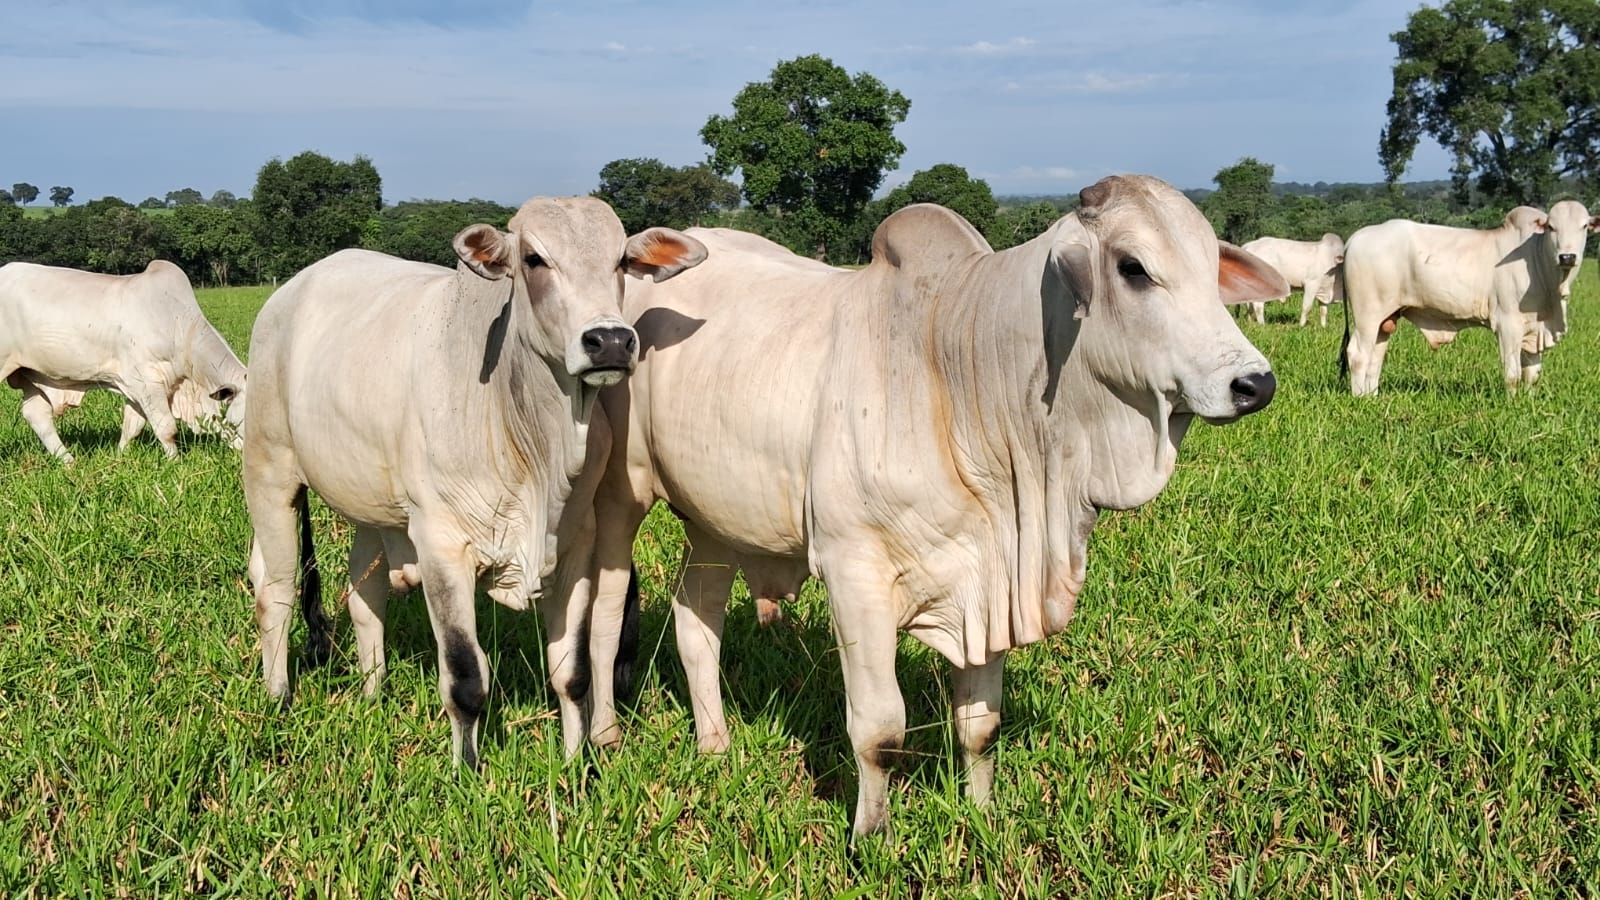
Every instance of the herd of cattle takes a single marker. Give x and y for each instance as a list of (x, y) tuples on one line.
[(933, 436)]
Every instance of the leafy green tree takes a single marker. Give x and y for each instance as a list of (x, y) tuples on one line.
[(311, 206), (1243, 200), (60, 196), (423, 229), (12, 232), (1510, 88), (648, 192), (1015, 225), (949, 186), (213, 244), (6, 199), (152, 203), (184, 197), (224, 199), (24, 192), (122, 240), (813, 142)]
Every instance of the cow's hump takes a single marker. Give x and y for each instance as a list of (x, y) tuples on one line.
[(924, 237)]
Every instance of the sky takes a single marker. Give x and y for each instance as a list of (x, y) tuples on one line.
[(505, 99)]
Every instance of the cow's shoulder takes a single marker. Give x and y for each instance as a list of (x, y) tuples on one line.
[(925, 237)]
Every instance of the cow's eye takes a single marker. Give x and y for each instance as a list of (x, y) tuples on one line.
[(533, 260), (1132, 270)]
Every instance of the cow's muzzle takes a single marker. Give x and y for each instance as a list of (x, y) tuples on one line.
[(608, 350), (1252, 393), (1567, 260)]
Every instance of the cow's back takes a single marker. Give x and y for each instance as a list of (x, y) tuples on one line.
[(84, 326), (1450, 271), (331, 355), (726, 392)]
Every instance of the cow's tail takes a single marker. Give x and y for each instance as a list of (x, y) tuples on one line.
[(1344, 344), (628, 642), (319, 631)]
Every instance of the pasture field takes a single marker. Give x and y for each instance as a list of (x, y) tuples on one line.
[(1353, 650)]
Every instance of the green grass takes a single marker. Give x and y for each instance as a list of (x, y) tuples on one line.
[(1353, 649)]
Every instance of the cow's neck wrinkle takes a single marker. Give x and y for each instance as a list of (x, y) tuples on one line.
[(534, 425)]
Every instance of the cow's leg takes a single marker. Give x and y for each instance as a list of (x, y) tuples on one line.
[(369, 606), (156, 407), (1509, 337), (1367, 348), (132, 424), (977, 711), (1258, 311), (1532, 364), (565, 610), (1322, 315), (37, 410), (875, 712), (274, 562), (449, 578), (699, 607), (1308, 299), (616, 522)]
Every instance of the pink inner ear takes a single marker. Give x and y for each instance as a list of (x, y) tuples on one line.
[(661, 252)]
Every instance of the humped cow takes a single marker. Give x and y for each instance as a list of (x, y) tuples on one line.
[(933, 436), (1315, 267), (1514, 279), (63, 332), (447, 415)]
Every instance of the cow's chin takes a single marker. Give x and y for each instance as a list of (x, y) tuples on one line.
[(603, 378)]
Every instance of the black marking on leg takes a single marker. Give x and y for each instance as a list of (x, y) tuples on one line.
[(987, 742), (886, 755), (319, 629), (578, 681), (467, 690), (628, 641)]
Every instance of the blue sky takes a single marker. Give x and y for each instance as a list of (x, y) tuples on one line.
[(504, 100)]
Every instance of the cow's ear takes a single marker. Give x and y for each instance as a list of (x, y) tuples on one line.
[(225, 394), (1072, 259), (1541, 225), (486, 250), (660, 253), (1243, 278), (1594, 223)]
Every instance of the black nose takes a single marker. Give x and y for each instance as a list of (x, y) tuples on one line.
[(1253, 392), (610, 348), (1568, 259)]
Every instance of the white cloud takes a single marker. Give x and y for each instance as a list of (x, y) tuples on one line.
[(1091, 83), (1006, 48)]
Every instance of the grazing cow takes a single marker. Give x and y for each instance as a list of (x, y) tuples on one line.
[(933, 436), (1514, 279), (63, 332), (446, 414), (1315, 267)]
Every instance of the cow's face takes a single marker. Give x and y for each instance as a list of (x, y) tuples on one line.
[(219, 413), (1150, 280), (567, 258), (1566, 231)]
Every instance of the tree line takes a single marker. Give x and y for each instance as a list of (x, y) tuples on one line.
[(1511, 88)]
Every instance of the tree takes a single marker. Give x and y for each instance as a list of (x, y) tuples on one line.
[(1243, 200), (813, 142), (224, 199), (310, 206), (949, 186), (185, 197), (60, 196), (122, 240), (647, 192), (213, 244), (1018, 224), (152, 203), (1510, 88), (6, 199), (423, 229), (24, 192)]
